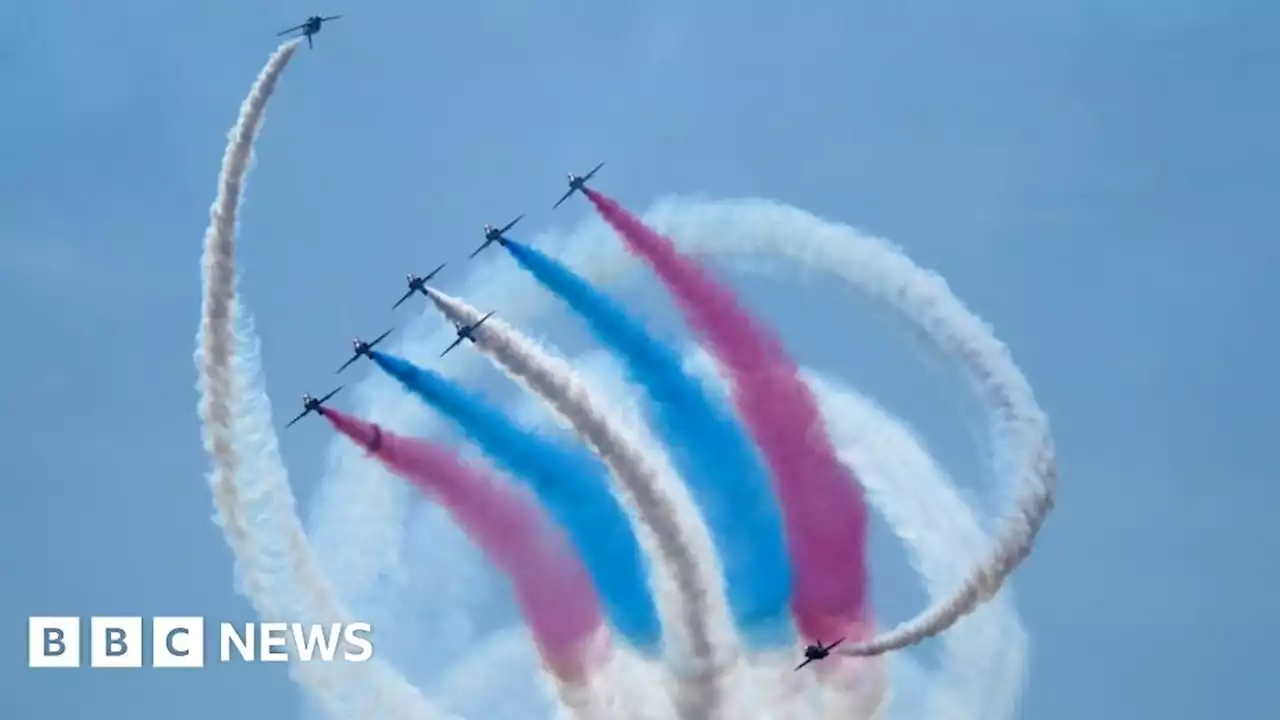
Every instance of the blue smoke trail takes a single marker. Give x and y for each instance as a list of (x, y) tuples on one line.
[(725, 476), (571, 485)]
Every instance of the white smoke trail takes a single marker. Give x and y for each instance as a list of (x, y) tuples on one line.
[(875, 267), (278, 567), (586, 698), (217, 322), (988, 651), (754, 229), (251, 493), (553, 380), (583, 697), (467, 688), (265, 571), (751, 681), (983, 655)]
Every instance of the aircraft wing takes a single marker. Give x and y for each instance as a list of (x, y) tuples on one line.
[(406, 297), (286, 32), (481, 320), (832, 646), (433, 273), (380, 338), (594, 170), (483, 245), (326, 397), (300, 416), (347, 364), (563, 198), (806, 662), (454, 345), (331, 17), (511, 224)]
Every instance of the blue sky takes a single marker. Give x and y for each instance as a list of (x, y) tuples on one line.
[(1092, 178)]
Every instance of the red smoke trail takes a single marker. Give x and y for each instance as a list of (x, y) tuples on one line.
[(826, 514), (552, 586)]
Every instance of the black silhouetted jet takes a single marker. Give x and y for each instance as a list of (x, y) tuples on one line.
[(417, 284), (817, 652), (310, 27), (465, 332), (577, 183), (493, 234), (312, 405), (361, 347)]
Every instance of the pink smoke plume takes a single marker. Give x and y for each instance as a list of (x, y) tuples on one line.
[(822, 503), (553, 588)]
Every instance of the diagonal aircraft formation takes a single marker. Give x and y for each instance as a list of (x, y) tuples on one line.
[(418, 284)]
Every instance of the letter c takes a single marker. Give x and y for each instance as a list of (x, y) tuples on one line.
[(168, 642)]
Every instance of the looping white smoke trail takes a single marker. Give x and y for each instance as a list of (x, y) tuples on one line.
[(274, 565), (755, 230), (271, 567), (984, 655), (553, 380), (875, 267)]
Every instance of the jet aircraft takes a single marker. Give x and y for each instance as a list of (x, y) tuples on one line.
[(465, 332), (493, 234), (817, 652), (312, 405), (360, 347), (577, 183), (309, 28), (417, 284)]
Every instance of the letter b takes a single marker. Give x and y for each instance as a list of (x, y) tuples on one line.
[(53, 642), (115, 642)]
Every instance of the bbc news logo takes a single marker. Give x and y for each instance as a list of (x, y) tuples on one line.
[(179, 642)]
